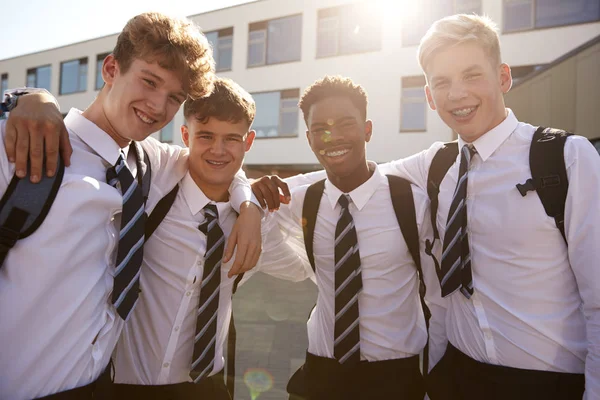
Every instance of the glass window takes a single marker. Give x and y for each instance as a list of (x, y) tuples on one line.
[(413, 105), (266, 121), (518, 15), (39, 77), (257, 48), (530, 14), (73, 76), (99, 61), (166, 133), (221, 42), (284, 39), (3, 84), (327, 36), (289, 117), (467, 6)]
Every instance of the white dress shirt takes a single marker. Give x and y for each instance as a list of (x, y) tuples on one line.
[(536, 303), (59, 327), (391, 319), (158, 341)]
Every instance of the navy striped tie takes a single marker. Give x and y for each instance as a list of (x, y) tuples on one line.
[(206, 323), (455, 270), (131, 237), (348, 285)]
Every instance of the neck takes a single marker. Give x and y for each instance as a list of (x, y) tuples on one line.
[(354, 179), (96, 114), (216, 193)]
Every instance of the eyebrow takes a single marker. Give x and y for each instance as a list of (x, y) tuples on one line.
[(203, 132), (338, 121), (466, 70), (161, 80)]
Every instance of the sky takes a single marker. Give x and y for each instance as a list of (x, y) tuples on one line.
[(28, 26)]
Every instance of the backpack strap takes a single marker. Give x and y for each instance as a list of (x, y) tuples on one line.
[(441, 163), (549, 173), (160, 212), (310, 208), (404, 208), (231, 344), (145, 166), (25, 205)]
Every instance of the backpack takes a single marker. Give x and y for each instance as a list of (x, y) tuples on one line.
[(404, 208), (548, 170), (152, 222), (25, 205)]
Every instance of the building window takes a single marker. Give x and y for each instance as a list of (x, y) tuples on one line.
[(3, 85), (221, 42), (275, 41), (99, 61), (73, 76), (429, 11), (413, 105), (166, 133), (276, 113), (39, 77), (532, 14), (348, 29)]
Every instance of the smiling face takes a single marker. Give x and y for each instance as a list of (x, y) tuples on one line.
[(466, 87), (217, 150), (140, 101), (338, 135)]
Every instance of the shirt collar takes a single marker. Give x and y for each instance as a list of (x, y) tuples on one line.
[(197, 200), (361, 195), (93, 136), (487, 144)]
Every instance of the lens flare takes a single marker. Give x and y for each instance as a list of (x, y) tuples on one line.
[(258, 380)]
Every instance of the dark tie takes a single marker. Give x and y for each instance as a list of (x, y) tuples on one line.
[(455, 270), (131, 237), (348, 284), (206, 324)]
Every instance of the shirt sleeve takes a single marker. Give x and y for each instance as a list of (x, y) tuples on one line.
[(240, 191), (305, 179), (414, 168), (582, 229)]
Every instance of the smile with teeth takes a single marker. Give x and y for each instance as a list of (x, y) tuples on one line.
[(463, 112), (216, 162), (336, 153), (144, 117)]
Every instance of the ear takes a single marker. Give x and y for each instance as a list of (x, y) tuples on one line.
[(110, 69), (368, 130), (429, 97), (250, 140), (185, 135), (505, 78)]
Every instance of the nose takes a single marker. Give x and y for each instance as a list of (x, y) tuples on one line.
[(157, 103), (217, 147), (457, 92)]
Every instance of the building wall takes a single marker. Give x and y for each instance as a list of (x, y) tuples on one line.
[(380, 72), (565, 96)]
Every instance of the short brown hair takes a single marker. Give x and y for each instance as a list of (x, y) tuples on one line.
[(457, 29), (227, 102), (331, 86), (177, 44)]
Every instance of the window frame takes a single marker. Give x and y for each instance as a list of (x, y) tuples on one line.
[(3, 87), (35, 70), (264, 26), (284, 94), (533, 27), (223, 33), (412, 82), (82, 60)]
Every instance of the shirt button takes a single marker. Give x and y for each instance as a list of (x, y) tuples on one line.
[(166, 365), (188, 293), (199, 263), (176, 329)]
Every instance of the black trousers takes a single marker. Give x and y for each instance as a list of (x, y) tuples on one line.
[(100, 389), (323, 378), (459, 377), (210, 388)]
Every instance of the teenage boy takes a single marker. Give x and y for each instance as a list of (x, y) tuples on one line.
[(173, 345), (66, 290)]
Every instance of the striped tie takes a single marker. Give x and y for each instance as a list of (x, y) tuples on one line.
[(348, 284), (206, 324), (131, 237), (455, 271)]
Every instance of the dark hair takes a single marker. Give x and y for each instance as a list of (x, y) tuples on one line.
[(227, 102), (330, 86)]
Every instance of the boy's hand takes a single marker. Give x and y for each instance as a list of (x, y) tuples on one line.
[(35, 128), (246, 236), (267, 192)]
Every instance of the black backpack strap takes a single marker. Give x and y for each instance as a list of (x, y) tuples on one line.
[(144, 166), (441, 163), (231, 344), (310, 208), (549, 173), (404, 208), (25, 205), (160, 211)]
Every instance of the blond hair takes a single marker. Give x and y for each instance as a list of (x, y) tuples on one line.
[(176, 44), (458, 29)]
